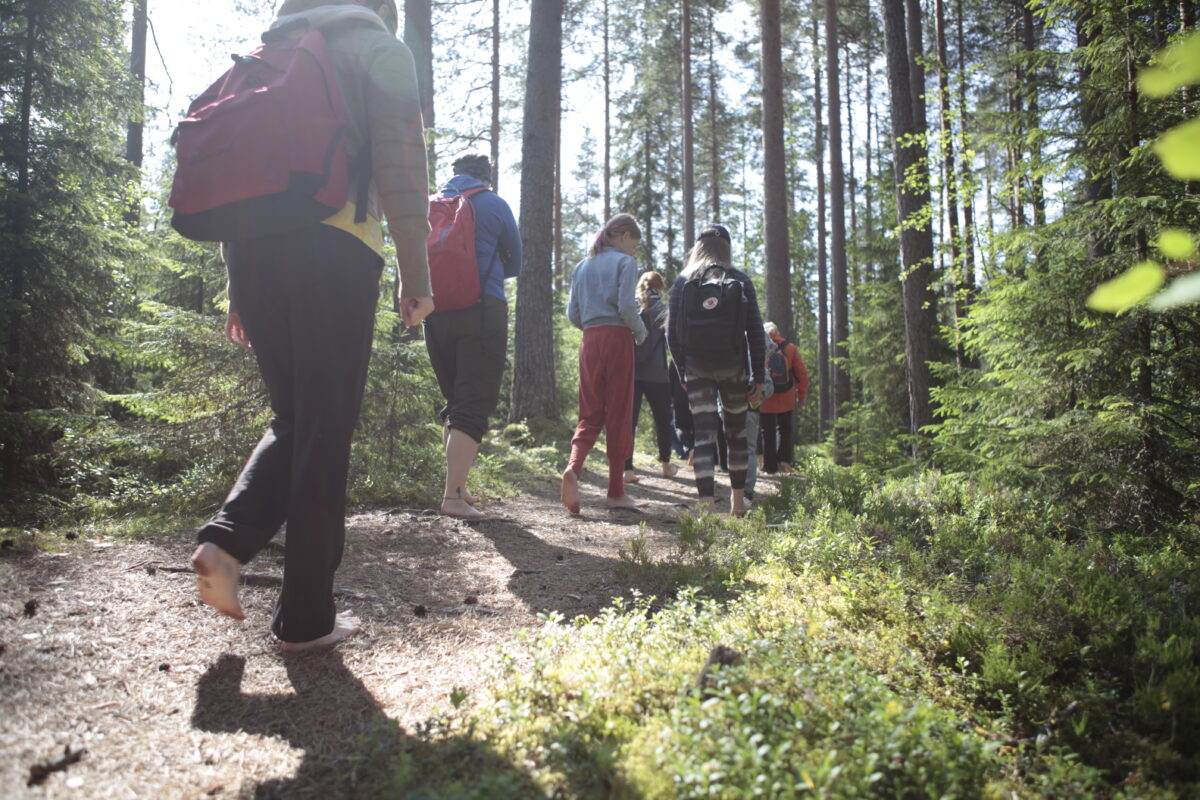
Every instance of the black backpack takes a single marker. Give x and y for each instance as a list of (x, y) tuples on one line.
[(714, 321), (780, 370)]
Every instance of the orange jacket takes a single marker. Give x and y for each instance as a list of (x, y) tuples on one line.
[(786, 401)]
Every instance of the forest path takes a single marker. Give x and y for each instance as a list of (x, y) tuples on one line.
[(105, 649)]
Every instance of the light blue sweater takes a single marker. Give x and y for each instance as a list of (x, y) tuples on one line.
[(603, 292)]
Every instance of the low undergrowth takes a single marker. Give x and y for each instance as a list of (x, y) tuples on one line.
[(924, 637)]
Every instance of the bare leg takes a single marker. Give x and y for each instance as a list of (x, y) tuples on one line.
[(345, 625), (460, 455), (470, 498), (217, 579), (570, 491)]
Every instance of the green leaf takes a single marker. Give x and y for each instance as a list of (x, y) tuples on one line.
[(1123, 292), (1184, 290), (1177, 66), (1179, 149), (1176, 244)]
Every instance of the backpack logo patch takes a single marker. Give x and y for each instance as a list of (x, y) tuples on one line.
[(710, 303)]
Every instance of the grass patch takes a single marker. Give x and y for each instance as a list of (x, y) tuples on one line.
[(916, 637)]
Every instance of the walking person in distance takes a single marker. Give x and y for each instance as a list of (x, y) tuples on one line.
[(651, 378), (474, 246), (715, 333), (603, 304), (789, 377)]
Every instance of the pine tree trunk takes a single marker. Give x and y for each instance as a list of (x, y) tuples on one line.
[(689, 176), (533, 393), (714, 147), (14, 264), (775, 205), (967, 292), (418, 35), (495, 131), (837, 226), (825, 394), (902, 37), (1037, 185), (607, 121), (949, 180), (137, 69)]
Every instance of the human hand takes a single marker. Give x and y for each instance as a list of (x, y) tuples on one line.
[(413, 310), (234, 331), (754, 395)]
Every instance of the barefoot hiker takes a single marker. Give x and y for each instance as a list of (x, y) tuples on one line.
[(604, 305), (473, 246), (716, 337), (305, 299), (650, 373)]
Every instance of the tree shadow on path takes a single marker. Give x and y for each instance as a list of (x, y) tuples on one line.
[(351, 747)]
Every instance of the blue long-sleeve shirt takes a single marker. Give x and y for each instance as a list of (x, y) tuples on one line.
[(603, 292), (496, 235)]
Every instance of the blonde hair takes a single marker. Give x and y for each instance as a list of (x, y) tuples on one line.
[(651, 280), (621, 223)]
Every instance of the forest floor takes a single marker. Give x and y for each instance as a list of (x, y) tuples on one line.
[(116, 682)]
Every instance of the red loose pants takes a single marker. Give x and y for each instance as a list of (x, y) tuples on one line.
[(605, 400)]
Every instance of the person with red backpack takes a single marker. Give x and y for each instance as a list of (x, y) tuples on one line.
[(304, 282), (473, 245), (790, 378)]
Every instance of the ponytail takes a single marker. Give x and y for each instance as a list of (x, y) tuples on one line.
[(621, 223)]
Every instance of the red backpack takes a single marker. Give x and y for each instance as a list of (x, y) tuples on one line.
[(263, 151), (453, 268)]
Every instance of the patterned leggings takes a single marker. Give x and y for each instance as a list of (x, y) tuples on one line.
[(702, 399)]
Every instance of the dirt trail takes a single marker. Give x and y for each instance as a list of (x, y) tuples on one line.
[(107, 651)]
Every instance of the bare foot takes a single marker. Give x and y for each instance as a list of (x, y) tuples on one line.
[(460, 509), (631, 476), (345, 625), (785, 467), (570, 491), (737, 503), (217, 579), (471, 499), (669, 470), (625, 501)]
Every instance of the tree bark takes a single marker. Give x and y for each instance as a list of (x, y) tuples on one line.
[(775, 205), (137, 69), (965, 184), (902, 37), (949, 179), (418, 35), (495, 130), (14, 374), (533, 393), (689, 176), (1036, 183), (607, 121), (837, 229), (825, 393), (714, 147)]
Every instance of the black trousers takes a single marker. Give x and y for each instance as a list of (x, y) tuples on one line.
[(777, 440), (467, 348), (683, 412), (307, 302), (658, 395)]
